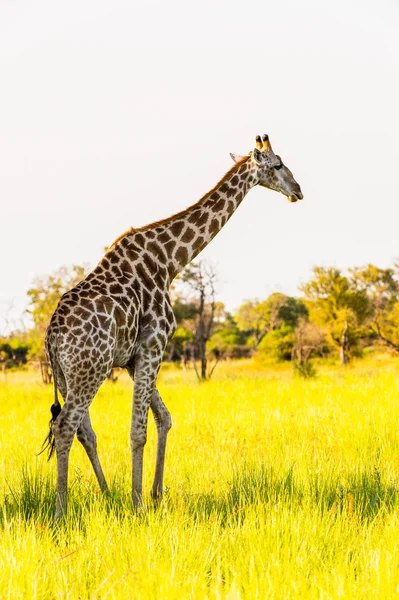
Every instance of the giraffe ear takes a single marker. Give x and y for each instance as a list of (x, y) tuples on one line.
[(237, 157), (258, 156)]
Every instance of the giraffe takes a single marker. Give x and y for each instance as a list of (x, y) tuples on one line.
[(121, 315)]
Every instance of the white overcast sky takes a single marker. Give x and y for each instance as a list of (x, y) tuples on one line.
[(117, 113)]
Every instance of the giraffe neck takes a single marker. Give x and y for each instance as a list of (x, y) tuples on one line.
[(182, 237)]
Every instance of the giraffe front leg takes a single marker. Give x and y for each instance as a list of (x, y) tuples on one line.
[(145, 374), (163, 424)]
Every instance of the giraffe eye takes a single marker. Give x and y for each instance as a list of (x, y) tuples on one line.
[(277, 167)]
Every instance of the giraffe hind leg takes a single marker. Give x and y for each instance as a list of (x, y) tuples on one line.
[(64, 428), (163, 423), (88, 439)]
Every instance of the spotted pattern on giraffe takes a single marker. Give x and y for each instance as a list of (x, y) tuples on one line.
[(121, 315)]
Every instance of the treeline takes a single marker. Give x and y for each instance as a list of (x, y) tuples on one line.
[(338, 314)]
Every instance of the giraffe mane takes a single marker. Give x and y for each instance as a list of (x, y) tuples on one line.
[(121, 236), (183, 213)]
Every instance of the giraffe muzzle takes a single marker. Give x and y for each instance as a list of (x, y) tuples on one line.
[(295, 197)]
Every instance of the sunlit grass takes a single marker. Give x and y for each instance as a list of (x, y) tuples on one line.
[(276, 488)]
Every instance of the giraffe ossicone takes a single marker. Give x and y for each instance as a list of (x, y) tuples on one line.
[(121, 315)]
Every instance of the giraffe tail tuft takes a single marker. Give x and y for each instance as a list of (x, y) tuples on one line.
[(49, 442)]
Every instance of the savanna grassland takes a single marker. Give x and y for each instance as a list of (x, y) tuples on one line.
[(277, 487)]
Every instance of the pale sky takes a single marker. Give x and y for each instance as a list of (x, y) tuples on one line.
[(116, 113)]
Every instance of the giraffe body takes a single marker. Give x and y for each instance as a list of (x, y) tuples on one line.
[(121, 315)]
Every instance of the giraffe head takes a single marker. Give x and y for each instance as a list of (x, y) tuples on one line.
[(270, 171)]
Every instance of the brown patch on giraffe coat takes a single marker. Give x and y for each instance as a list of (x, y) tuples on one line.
[(104, 320), (224, 188), (214, 226), (79, 331), (88, 327), (220, 205), (134, 289), (73, 321), (193, 218), (126, 267), (132, 254), (189, 234), (82, 312), (164, 237), (169, 312), (147, 321), (202, 218), (144, 276), (134, 246), (160, 278), (146, 299), (104, 303), (95, 321), (158, 297), (177, 227), (139, 239), (120, 316), (116, 271), (198, 242), (150, 263), (113, 258), (182, 255), (157, 251), (116, 288), (169, 247), (230, 207)]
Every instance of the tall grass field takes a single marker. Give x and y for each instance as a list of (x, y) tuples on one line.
[(277, 487)]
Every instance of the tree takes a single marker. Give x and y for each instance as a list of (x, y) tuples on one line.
[(43, 299), (259, 318), (185, 310), (382, 290), (308, 342), (13, 350), (200, 278), (269, 325), (227, 341), (338, 306)]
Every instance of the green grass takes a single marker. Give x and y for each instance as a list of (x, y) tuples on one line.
[(276, 488)]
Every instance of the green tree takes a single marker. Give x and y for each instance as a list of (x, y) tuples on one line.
[(269, 325), (227, 341), (308, 342), (338, 306), (14, 350), (382, 289), (257, 319)]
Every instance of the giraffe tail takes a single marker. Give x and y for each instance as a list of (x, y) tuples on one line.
[(49, 442)]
